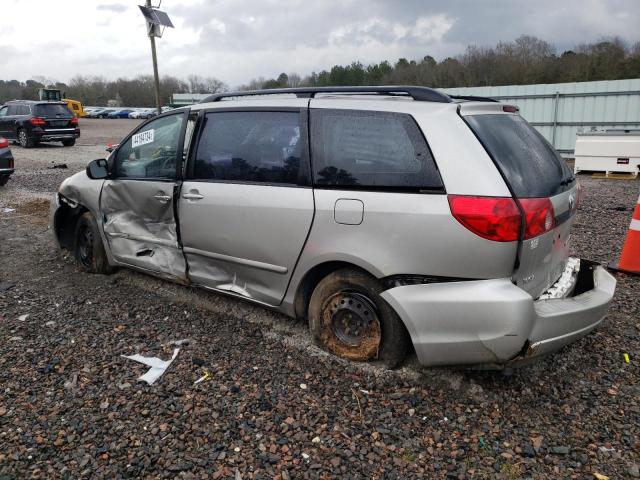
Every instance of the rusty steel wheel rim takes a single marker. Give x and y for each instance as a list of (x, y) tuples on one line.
[(351, 326)]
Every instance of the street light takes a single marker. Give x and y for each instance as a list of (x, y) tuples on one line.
[(157, 20)]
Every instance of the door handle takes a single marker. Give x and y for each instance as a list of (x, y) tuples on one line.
[(162, 198), (193, 196)]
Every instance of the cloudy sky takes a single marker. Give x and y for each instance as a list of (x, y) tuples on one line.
[(237, 40)]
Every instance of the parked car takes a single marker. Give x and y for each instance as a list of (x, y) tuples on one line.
[(31, 122), (143, 113), (149, 113), (6, 161), (423, 219), (103, 113), (122, 113)]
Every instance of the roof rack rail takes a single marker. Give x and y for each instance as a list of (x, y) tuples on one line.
[(474, 98), (421, 94)]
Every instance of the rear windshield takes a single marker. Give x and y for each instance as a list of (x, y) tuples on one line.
[(52, 110), (528, 162)]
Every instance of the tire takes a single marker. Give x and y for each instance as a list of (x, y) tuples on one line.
[(88, 248), (24, 140), (69, 143), (3, 180), (347, 317)]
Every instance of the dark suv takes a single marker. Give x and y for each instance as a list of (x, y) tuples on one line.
[(31, 122)]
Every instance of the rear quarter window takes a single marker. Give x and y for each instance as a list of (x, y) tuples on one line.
[(527, 161), (367, 149)]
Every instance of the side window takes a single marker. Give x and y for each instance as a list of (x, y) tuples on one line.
[(24, 110), (260, 147), (361, 149), (12, 110), (151, 152), (3, 112)]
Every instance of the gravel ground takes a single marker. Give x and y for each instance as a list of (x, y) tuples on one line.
[(274, 405)]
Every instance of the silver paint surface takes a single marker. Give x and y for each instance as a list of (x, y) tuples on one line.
[(244, 238), (141, 229)]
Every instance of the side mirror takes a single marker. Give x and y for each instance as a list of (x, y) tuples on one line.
[(97, 169)]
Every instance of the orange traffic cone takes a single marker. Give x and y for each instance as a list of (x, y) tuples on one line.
[(630, 256)]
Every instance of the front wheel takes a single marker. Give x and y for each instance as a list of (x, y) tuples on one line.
[(69, 143), (348, 318), (89, 250)]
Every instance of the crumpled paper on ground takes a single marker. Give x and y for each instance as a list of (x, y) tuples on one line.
[(158, 366)]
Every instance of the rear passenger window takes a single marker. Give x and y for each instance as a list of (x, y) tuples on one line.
[(369, 149), (262, 147)]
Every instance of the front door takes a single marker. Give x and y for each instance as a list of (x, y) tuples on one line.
[(137, 202), (246, 206)]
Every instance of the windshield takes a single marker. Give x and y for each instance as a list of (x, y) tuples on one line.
[(527, 161), (52, 110)]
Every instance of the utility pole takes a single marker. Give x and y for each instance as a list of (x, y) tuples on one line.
[(156, 77), (156, 22)]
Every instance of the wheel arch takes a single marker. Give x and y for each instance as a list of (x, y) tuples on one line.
[(64, 223), (312, 277)]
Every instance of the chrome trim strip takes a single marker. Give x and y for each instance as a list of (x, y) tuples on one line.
[(242, 261)]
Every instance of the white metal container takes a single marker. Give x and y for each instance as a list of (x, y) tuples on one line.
[(608, 151)]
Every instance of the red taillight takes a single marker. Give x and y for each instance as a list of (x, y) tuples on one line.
[(11, 162), (493, 218), (499, 218), (539, 216), (74, 121), (4, 143), (37, 121), (510, 109)]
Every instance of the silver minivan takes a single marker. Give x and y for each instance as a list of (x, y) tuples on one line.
[(386, 217)]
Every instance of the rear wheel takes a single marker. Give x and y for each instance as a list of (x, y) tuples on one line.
[(89, 250), (348, 318), (24, 140), (3, 180), (69, 143)]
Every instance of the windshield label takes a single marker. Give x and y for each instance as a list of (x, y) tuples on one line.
[(142, 138)]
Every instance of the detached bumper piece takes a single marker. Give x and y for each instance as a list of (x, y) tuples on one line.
[(494, 323)]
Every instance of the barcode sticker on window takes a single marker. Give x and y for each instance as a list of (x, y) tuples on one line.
[(142, 138)]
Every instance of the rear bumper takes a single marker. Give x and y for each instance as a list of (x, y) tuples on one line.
[(495, 323), (52, 135)]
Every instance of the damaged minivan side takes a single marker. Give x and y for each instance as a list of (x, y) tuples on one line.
[(386, 217)]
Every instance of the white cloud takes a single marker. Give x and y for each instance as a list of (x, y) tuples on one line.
[(238, 40)]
